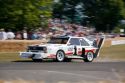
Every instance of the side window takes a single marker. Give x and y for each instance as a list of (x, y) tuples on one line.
[(74, 41), (84, 43)]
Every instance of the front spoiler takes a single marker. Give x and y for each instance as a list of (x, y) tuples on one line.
[(30, 55)]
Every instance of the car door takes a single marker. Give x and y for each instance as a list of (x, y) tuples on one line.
[(77, 49), (85, 46)]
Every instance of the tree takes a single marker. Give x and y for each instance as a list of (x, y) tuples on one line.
[(67, 9), (103, 14), (17, 14)]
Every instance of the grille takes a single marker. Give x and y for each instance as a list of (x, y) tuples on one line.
[(35, 49)]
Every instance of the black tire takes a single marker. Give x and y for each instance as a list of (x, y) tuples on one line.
[(60, 56), (37, 60), (89, 57)]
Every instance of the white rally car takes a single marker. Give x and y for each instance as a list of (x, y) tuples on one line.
[(63, 49)]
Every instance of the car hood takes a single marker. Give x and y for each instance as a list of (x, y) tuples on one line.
[(48, 45)]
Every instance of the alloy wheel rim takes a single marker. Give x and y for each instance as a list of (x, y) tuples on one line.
[(60, 56), (90, 56)]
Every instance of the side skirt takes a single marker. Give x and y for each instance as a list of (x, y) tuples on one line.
[(75, 57)]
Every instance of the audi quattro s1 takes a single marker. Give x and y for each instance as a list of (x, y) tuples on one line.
[(63, 49)]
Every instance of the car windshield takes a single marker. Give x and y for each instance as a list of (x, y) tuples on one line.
[(58, 40)]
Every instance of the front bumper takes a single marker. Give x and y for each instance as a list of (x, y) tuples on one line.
[(33, 55)]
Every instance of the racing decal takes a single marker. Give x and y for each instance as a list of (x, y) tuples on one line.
[(51, 56), (79, 49), (92, 50), (79, 52), (69, 53), (86, 51), (70, 49)]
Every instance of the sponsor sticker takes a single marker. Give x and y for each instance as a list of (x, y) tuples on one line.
[(70, 49)]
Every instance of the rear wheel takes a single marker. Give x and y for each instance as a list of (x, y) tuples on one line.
[(60, 56), (89, 57)]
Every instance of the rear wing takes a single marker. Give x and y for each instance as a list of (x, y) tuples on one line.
[(100, 42)]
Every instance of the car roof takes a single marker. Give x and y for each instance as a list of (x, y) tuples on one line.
[(61, 37), (68, 37)]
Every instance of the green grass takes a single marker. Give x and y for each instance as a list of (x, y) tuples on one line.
[(113, 52), (10, 57)]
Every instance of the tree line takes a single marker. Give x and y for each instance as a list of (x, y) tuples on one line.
[(104, 15), (20, 14)]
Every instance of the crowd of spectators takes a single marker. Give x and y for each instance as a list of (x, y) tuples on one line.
[(57, 27)]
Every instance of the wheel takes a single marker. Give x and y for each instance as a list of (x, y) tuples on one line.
[(37, 60), (60, 56), (89, 57)]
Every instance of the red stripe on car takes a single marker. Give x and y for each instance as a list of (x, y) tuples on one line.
[(51, 56), (80, 52), (69, 53), (90, 50)]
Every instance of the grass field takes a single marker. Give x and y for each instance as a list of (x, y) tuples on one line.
[(114, 52), (10, 57)]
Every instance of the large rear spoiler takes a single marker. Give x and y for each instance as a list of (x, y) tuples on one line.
[(100, 42)]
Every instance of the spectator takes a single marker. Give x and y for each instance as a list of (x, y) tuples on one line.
[(18, 35), (29, 34), (25, 35), (39, 35), (34, 36), (10, 35), (3, 35)]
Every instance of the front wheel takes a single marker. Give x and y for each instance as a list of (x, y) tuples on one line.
[(60, 56), (89, 57)]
